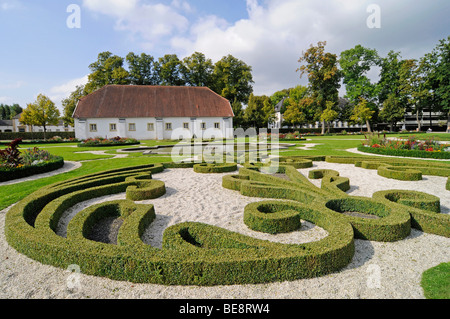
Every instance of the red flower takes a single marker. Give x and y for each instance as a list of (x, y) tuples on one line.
[(375, 145)]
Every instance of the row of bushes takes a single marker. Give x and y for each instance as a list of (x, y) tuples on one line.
[(394, 225), (215, 167), (115, 141), (11, 173), (9, 136), (192, 253), (404, 153), (199, 254), (400, 169), (15, 164)]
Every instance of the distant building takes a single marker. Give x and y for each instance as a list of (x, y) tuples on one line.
[(153, 112), (14, 125), (6, 126)]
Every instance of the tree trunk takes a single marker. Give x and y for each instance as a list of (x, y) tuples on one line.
[(448, 122), (323, 127), (419, 125), (368, 126), (45, 131)]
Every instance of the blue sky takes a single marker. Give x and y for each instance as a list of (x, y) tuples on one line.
[(41, 54)]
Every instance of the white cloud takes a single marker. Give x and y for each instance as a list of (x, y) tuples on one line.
[(62, 91), (147, 22), (10, 86), (117, 8)]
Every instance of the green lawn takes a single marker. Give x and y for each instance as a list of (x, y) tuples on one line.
[(436, 282)]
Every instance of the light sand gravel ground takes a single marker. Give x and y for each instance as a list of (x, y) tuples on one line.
[(378, 270)]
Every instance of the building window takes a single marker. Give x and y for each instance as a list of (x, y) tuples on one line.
[(93, 127), (112, 127), (131, 127), (186, 125), (203, 126), (216, 125), (168, 126), (150, 127)]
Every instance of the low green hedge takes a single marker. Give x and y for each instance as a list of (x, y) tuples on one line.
[(399, 173), (272, 218), (402, 169), (144, 188), (200, 254), (192, 253), (393, 223), (7, 174), (215, 168), (421, 206), (404, 153)]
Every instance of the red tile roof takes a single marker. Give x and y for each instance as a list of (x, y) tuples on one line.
[(128, 101)]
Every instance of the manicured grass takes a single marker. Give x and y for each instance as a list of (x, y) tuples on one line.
[(10, 194), (436, 282)]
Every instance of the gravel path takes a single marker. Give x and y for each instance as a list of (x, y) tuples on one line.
[(378, 270)]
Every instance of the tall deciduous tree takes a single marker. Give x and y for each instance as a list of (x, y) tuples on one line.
[(440, 77), (170, 70), (324, 77), (69, 104), (356, 63), (141, 69), (198, 70), (362, 113), (42, 112), (392, 110), (255, 112), (108, 69), (233, 79)]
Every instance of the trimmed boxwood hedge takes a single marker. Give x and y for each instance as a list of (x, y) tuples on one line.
[(402, 169), (399, 173), (421, 206), (192, 253), (7, 174), (404, 153), (393, 223), (272, 218), (215, 167), (200, 254)]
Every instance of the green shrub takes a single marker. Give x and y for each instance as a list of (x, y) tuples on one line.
[(405, 153), (215, 168), (425, 220), (192, 253), (144, 188), (272, 218), (11, 173), (399, 173), (393, 224)]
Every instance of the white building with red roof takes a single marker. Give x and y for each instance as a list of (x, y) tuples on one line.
[(153, 112)]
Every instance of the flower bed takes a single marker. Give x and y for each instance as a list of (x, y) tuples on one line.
[(15, 164), (115, 141), (411, 147)]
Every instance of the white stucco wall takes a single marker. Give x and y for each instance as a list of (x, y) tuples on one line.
[(160, 131)]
